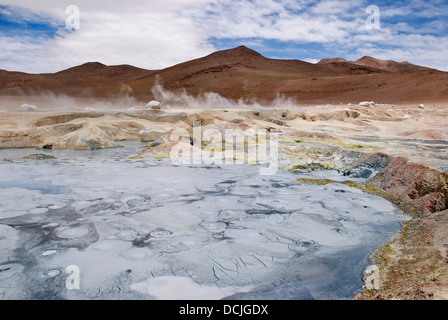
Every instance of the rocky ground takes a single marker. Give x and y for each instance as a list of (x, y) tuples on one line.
[(403, 150)]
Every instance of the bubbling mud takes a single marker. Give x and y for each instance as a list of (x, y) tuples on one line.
[(147, 229)]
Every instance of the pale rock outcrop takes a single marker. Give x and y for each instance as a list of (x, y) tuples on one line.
[(367, 104), (413, 186), (155, 105), (39, 156), (89, 137), (153, 135), (28, 107)]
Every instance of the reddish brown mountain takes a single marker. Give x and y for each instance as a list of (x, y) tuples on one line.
[(243, 73), (331, 60), (388, 65)]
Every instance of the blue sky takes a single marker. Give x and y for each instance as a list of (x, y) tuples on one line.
[(14, 24), (156, 34)]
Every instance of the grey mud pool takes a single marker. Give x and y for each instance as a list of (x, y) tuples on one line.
[(100, 225)]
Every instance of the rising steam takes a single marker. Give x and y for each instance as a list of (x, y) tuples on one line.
[(213, 100)]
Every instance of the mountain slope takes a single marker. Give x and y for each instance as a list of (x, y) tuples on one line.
[(331, 60), (388, 65), (243, 73)]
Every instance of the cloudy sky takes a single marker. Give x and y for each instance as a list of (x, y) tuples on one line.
[(39, 36)]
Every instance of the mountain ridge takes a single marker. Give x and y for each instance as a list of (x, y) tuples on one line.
[(243, 73), (386, 65)]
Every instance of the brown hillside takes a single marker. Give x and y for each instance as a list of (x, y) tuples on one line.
[(331, 60), (388, 65), (243, 73)]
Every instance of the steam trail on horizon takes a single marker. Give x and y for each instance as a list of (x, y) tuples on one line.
[(213, 100)]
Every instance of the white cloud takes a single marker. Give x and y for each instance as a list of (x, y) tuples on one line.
[(418, 50), (416, 9), (6, 12), (147, 34), (156, 34), (274, 20), (338, 24), (311, 60)]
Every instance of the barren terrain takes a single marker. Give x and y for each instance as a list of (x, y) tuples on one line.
[(241, 73), (398, 139)]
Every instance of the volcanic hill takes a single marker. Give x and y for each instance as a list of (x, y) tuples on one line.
[(242, 73)]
